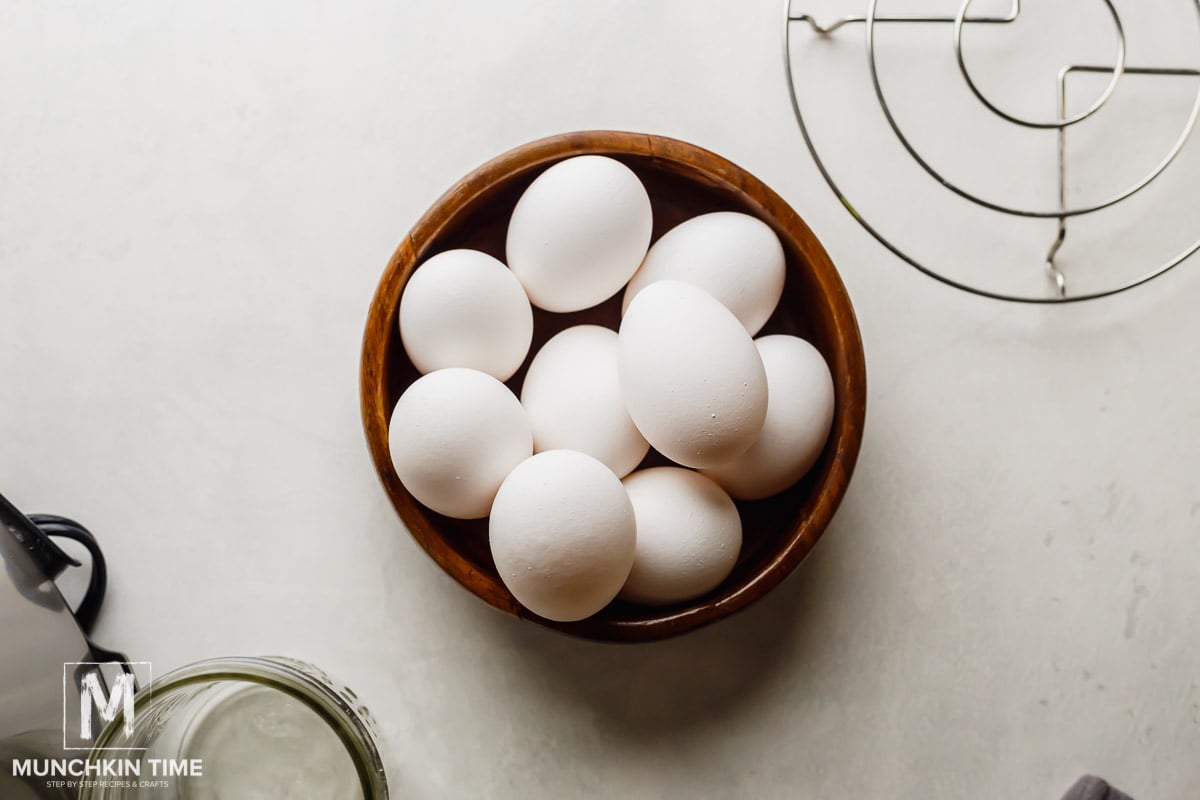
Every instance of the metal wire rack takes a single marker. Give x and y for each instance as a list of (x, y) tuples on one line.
[(1058, 289)]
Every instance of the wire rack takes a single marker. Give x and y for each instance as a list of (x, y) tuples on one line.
[(1055, 288)]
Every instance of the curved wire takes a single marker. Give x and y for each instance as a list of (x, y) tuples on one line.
[(1052, 214), (825, 30), (1063, 121), (927, 271)]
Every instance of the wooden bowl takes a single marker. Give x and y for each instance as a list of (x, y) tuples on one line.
[(683, 181)]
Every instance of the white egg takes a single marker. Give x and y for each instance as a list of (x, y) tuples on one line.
[(455, 435), (688, 536), (562, 534), (573, 397), (734, 257), (463, 308), (799, 416), (692, 379), (579, 232)]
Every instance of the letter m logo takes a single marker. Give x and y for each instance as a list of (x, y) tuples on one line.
[(92, 700), (91, 695)]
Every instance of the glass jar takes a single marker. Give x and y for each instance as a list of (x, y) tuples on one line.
[(250, 728)]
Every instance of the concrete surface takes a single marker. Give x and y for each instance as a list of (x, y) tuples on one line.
[(196, 201)]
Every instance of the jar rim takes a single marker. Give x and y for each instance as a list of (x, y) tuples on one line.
[(351, 722)]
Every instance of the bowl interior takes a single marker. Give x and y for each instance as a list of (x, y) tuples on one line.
[(777, 532)]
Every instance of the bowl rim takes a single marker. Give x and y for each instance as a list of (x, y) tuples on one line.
[(847, 365)]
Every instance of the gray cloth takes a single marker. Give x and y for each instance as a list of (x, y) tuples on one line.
[(1089, 787)]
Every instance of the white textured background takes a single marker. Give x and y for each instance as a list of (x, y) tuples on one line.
[(196, 201)]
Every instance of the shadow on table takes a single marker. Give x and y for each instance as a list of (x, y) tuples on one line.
[(699, 679)]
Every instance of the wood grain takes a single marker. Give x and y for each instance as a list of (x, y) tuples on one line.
[(683, 181)]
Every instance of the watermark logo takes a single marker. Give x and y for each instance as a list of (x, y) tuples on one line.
[(91, 701), (93, 696)]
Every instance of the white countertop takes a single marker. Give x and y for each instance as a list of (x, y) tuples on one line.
[(196, 202)]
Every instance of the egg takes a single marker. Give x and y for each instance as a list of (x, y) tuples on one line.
[(455, 435), (691, 376), (734, 257), (463, 308), (688, 536), (579, 232), (562, 534), (799, 417), (573, 397)]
